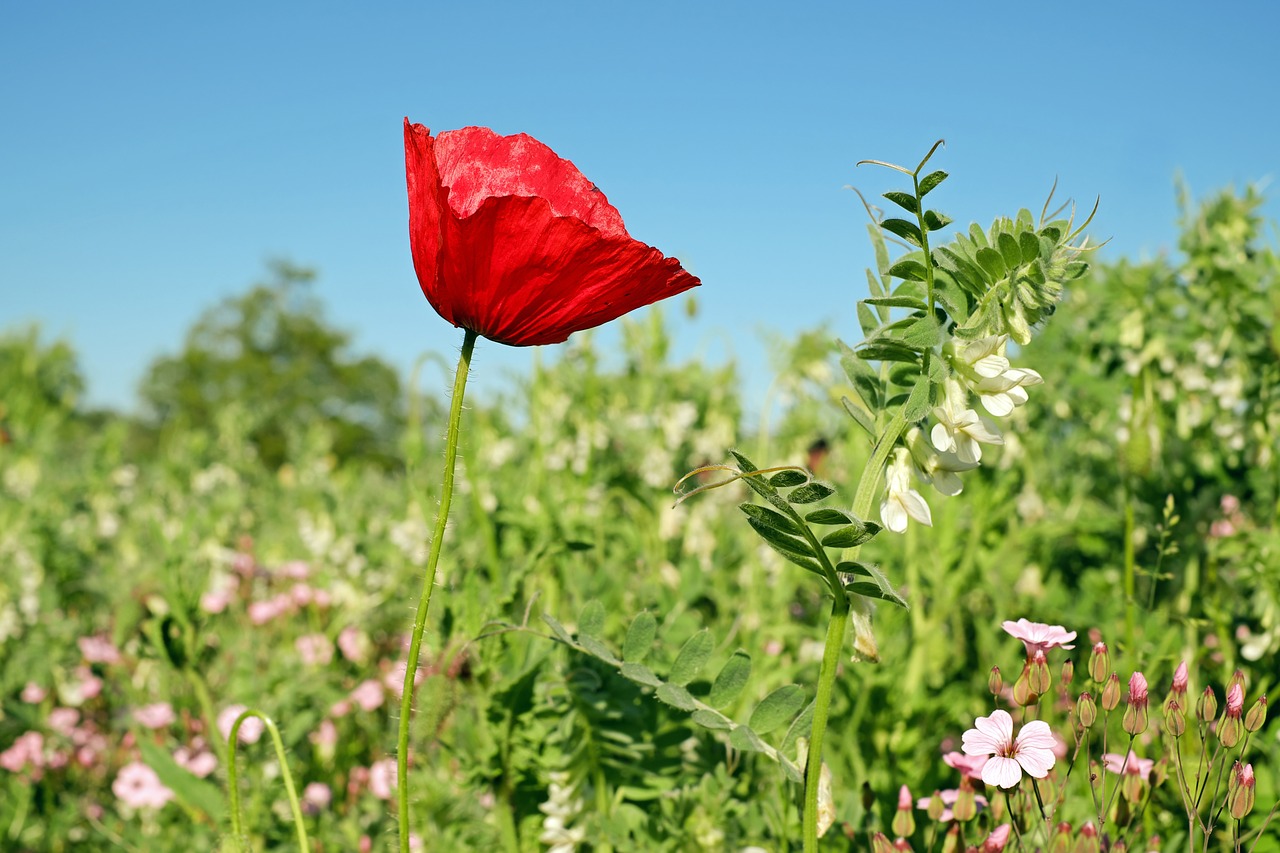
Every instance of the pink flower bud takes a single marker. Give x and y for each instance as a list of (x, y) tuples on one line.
[(1138, 689), (998, 838), (1207, 706), (1099, 663), (1111, 693), (1180, 679), (1235, 701), (1240, 793)]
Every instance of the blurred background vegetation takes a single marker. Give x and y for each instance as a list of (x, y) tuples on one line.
[(266, 441)]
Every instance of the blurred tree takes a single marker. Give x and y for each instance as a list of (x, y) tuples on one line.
[(271, 353), (42, 384)]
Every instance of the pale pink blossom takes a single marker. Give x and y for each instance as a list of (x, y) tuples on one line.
[(198, 762), (904, 797), (1130, 764), (157, 715), (316, 797), (262, 612), (301, 594), (63, 720), (32, 693), (1036, 636), (382, 778), (323, 600), (949, 797), (250, 730), (1180, 678), (1235, 701), (295, 570), (98, 649), (369, 695), (968, 765), (354, 644), (138, 786), (1031, 752), (998, 838), (340, 708), (86, 686), (217, 600), (314, 649), (326, 734), (27, 750), (1138, 690)]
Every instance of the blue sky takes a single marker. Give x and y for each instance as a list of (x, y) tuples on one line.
[(153, 156)]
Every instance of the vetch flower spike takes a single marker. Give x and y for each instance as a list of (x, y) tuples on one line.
[(1031, 752), (512, 242)]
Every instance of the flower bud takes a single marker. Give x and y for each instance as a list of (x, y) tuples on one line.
[(901, 845), (1230, 730), (951, 841), (1086, 710), (904, 821), (936, 806), (1099, 663), (1087, 840), (1235, 699), (965, 808), (1237, 677), (1240, 791), (1111, 693), (1206, 706), (1174, 721), (1257, 715), (1023, 695), (880, 844), (1038, 677), (1135, 715), (1068, 673), (998, 838), (1061, 842), (995, 683)]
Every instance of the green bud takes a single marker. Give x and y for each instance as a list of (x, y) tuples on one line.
[(1086, 710), (995, 683), (1257, 715), (1111, 693), (1207, 706), (1174, 721), (1099, 663)]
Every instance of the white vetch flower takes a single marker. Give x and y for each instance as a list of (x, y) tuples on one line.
[(1001, 394), (959, 430), (901, 502), (980, 359), (942, 470)]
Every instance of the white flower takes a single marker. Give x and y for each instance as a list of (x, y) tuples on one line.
[(980, 359), (1001, 394), (901, 502), (959, 430), (942, 470)]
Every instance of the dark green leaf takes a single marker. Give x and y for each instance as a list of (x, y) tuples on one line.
[(732, 678), (777, 709), (908, 270), (559, 630), (597, 649), (935, 221), (867, 319), (1010, 250), (908, 231), (992, 263), (831, 515), (745, 740), (797, 551), (847, 537), (919, 402), (676, 696), (888, 351), (925, 333), (860, 416), (769, 518), (692, 658), (710, 720), (901, 301), (788, 478), (640, 636), (1030, 245), (640, 674), (591, 619), (744, 463), (878, 587), (810, 493), (906, 201), (930, 181)]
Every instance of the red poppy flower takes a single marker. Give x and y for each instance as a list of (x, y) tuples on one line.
[(512, 242)]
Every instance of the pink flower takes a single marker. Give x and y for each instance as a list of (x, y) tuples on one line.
[(316, 797), (250, 730), (158, 715), (1130, 764), (138, 786), (314, 649), (295, 570), (302, 594), (326, 735), (28, 749), (1180, 679), (87, 686), (394, 680), (1138, 690), (904, 797), (63, 720), (200, 763), (382, 778), (969, 765), (262, 612), (1038, 636), (353, 644), (1032, 752), (1235, 701), (369, 695), (32, 693), (98, 649), (998, 838), (216, 600), (949, 798)]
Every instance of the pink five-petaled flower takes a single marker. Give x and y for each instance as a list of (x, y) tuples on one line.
[(1130, 764), (1031, 752), (138, 786), (515, 244), (1038, 636), (969, 765)]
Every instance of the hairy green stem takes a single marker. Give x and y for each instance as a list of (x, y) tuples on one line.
[(428, 586), (821, 708), (237, 829)]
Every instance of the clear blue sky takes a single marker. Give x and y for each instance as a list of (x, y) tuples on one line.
[(154, 155)]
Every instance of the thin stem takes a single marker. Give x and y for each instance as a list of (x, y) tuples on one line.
[(233, 785), (428, 586), (821, 709)]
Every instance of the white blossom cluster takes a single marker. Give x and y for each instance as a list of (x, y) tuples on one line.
[(954, 444)]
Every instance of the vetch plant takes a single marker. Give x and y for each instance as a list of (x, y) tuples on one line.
[(916, 377)]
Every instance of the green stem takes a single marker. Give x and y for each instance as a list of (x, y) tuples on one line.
[(1130, 566), (233, 782), (428, 586), (821, 709)]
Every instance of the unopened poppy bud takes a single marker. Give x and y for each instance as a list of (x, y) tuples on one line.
[(1135, 715), (904, 821), (1068, 673), (1086, 710), (1174, 721), (936, 807), (1111, 693), (1206, 706), (995, 683), (1257, 715), (1038, 677), (1099, 663), (880, 843), (1240, 793)]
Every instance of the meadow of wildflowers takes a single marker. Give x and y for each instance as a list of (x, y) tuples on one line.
[(1080, 511)]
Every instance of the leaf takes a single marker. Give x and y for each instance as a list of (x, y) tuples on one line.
[(640, 636), (925, 333), (769, 518), (591, 619), (676, 696), (878, 587), (788, 478), (906, 201), (711, 720), (831, 515), (692, 658), (867, 318), (731, 680), (901, 301), (798, 729), (1009, 250), (744, 739), (992, 263), (888, 351), (190, 789), (640, 674), (1030, 245), (777, 709), (595, 647), (847, 537), (930, 181), (908, 231), (935, 221), (860, 416), (910, 270), (918, 403), (791, 548), (559, 630), (810, 493), (861, 376)]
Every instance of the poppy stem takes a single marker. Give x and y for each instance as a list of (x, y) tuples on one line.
[(428, 585)]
